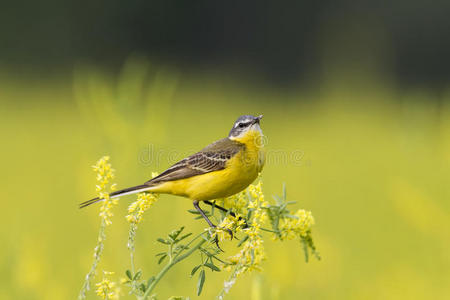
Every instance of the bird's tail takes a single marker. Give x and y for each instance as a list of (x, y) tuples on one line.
[(128, 191)]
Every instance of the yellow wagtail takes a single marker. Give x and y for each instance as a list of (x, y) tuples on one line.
[(219, 170)]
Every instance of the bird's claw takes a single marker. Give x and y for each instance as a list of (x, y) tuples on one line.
[(216, 238), (229, 232)]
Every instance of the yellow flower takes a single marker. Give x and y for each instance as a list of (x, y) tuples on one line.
[(107, 289), (144, 201), (137, 209), (104, 174), (297, 226), (252, 253), (229, 223)]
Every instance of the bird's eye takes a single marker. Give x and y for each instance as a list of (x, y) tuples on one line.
[(241, 125)]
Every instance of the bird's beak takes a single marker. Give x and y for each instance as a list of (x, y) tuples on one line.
[(257, 119)]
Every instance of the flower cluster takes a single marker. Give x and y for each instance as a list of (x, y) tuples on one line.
[(229, 224), (252, 253), (107, 289), (137, 209), (237, 202), (246, 215), (297, 225), (144, 201), (104, 174)]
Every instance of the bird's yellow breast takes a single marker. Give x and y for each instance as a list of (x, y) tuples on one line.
[(241, 170)]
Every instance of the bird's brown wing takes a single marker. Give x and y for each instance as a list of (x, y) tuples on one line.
[(211, 158)]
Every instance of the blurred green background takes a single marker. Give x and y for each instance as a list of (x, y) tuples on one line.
[(356, 111)]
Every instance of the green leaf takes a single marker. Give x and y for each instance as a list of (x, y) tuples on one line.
[(203, 250), (277, 199), (252, 255), (291, 216), (174, 234), (150, 280), (193, 211), (243, 240), (138, 275), (195, 270), (180, 248), (128, 273), (305, 249), (212, 267), (201, 281), (161, 259), (142, 287), (213, 206), (249, 214), (163, 241), (183, 237)]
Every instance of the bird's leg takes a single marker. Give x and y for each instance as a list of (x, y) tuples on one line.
[(219, 207), (226, 210), (197, 207)]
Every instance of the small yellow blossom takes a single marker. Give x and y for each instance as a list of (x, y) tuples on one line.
[(252, 253), (229, 223), (104, 174), (257, 195), (296, 226), (144, 201), (107, 289), (137, 209)]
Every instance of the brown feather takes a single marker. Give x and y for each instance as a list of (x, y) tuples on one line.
[(211, 158)]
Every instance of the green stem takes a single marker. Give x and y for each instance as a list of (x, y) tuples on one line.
[(218, 259), (177, 258), (268, 230), (188, 244), (97, 255), (166, 268), (132, 262)]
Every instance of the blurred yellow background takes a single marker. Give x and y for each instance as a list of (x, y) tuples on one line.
[(356, 104), (369, 160)]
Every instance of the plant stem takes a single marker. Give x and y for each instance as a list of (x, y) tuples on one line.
[(166, 268), (132, 263), (98, 250), (268, 230)]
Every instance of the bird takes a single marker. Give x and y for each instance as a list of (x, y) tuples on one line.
[(221, 169)]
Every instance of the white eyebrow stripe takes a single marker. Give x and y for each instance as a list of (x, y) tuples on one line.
[(243, 122)]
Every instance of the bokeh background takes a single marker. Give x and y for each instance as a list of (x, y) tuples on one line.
[(356, 105)]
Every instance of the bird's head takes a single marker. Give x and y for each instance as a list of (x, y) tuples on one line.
[(245, 127)]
